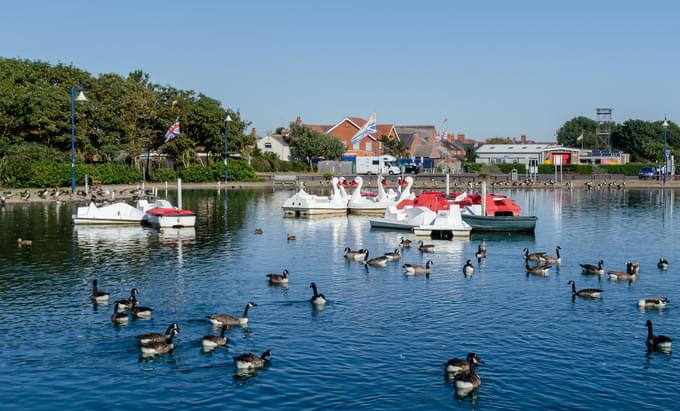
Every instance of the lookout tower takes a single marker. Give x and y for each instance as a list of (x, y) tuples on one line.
[(603, 133)]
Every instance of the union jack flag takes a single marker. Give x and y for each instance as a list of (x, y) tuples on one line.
[(371, 127), (173, 131)]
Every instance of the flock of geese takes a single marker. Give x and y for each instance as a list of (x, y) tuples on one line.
[(462, 371)]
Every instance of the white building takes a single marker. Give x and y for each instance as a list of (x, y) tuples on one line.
[(514, 153), (275, 144)]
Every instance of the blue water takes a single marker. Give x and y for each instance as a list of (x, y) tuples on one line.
[(381, 340)]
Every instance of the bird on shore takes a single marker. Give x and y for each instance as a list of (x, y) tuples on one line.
[(593, 269), (98, 296), (318, 298), (210, 342), (26, 195), (249, 361), (653, 302), (22, 242), (278, 278), (158, 337), (662, 264), (225, 319), (468, 268), (657, 342), (585, 292)]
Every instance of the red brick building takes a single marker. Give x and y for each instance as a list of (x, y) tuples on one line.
[(348, 127)]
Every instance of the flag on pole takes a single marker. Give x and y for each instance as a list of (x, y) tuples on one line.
[(173, 131), (369, 128), (579, 138)]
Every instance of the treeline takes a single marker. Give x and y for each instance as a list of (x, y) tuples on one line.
[(121, 119), (643, 140)]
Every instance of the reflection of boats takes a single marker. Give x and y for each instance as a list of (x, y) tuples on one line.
[(111, 234), (359, 203), (159, 213), (428, 214), (303, 204)]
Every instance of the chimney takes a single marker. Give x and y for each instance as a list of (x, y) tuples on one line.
[(449, 137), (253, 133), (461, 137), (523, 138), (298, 121)]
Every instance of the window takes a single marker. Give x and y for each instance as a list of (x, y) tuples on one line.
[(267, 145), (376, 162), (356, 146), (369, 146)]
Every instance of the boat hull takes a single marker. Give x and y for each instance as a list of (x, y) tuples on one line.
[(501, 223), (171, 221), (310, 212)]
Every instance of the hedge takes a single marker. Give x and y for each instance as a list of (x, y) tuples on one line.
[(51, 174)]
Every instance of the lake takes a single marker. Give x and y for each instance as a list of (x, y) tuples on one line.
[(383, 337)]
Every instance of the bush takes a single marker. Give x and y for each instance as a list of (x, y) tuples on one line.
[(507, 168), (261, 164), (197, 174), (164, 174), (631, 169), (472, 167)]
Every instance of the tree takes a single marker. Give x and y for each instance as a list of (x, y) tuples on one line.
[(570, 131), (499, 140), (470, 155), (393, 146), (307, 144), (643, 140)]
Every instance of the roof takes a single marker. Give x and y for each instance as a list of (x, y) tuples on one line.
[(425, 132), (408, 138), (321, 128), (424, 150), (276, 137), (514, 148)]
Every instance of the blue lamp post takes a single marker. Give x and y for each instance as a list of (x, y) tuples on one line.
[(665, 149), (227, 119), (81, 97)]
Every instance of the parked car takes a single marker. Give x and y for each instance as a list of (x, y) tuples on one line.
[(412, 168), (647, 173)]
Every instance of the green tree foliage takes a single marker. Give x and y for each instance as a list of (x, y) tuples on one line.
[(122, 118), (394, 147), (307, 144), (499, 140), (569, 132), (470, 155), (644, 139)]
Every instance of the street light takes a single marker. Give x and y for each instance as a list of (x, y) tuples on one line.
[(665, 149), (81, 97), (227, 119)]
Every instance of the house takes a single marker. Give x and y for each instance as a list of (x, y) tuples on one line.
[(275, 143), (411, 141), (426, 133), (346, 128)]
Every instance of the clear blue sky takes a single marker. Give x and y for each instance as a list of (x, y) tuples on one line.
[(493, 68)]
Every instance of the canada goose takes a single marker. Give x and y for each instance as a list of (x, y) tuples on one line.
[(542, 269), (459, 365), (376, 262), (278, 278), (21, 242), (125, 304), (317, 299), (533, 256), (139, 311), (259, 231), (393, 255), (593, 269), (249, 361), (98, 297), (621, 276), (468, 380), (211, 341), (405, 243), (662, 264), (633, 267), (425, 248), (160, 347), (586, 292), (119, 317), (659, 342), (468, 268), (413, 269), (653, 302), (355, 255), (158, 337), (291, 237), (481, 252), (553, 259), (224, 319)]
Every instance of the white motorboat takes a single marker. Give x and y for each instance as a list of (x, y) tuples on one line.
[(159, 213), (303, 204), (360, 204), (163, 214), (429, 214)]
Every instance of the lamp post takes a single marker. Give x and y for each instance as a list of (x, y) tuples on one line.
[(81, 97), (227, 119), (665, 149)]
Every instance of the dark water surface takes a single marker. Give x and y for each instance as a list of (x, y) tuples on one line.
[(381, 340)]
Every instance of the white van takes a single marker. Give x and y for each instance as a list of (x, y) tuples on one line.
[(377, 165)]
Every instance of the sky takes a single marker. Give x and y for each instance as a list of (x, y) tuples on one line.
[(490, 68)]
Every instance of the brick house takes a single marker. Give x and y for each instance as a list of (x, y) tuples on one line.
[(346, 128)]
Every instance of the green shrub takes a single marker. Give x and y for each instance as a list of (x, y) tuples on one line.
[(261, 164), (164, 174), (298, 166), (472, 167), (507, 168), (197, 174)]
